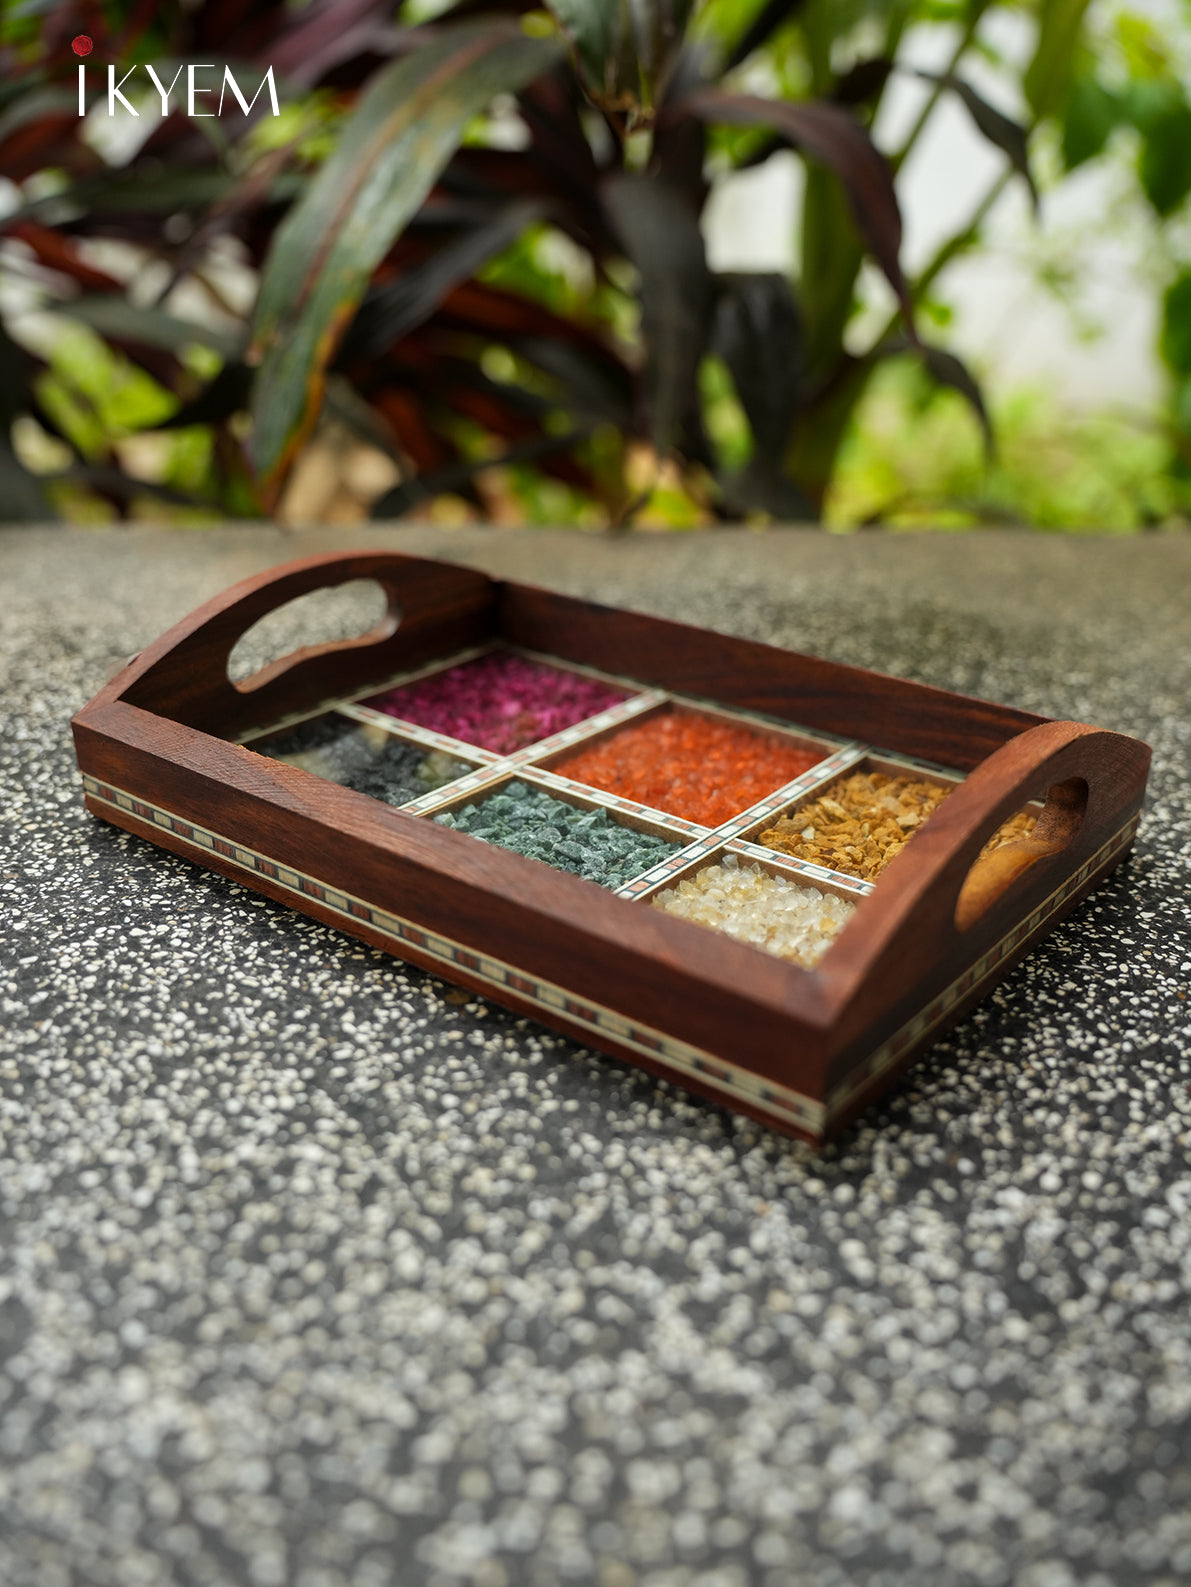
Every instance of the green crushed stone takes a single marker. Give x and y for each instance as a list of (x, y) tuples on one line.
[(588, 843)]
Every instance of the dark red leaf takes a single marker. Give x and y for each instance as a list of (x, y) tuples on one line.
[(1005, 134), (863, 82), (56, 252), (834, 138), (52, 140), (757, 331), (659, 229)]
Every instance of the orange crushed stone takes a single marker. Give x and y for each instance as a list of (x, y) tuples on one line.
[(691, 766), (863, 820)]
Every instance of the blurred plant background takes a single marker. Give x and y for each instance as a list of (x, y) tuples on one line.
[(863, 262)]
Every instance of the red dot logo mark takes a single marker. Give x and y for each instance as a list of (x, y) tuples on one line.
[(82, 45)]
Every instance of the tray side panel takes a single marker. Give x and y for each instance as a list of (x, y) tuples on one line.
[(636, 1042), (850, 702), (689, 990), (434, 609)]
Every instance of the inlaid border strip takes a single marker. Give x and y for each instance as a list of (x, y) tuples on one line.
[(796, 1109), (936, 1011), (793, 1107)]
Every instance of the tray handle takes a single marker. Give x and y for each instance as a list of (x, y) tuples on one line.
[(940, 888), (433, 608)]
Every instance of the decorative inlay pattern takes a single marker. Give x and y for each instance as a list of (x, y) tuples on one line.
[(793, 1107), (783, 1103)]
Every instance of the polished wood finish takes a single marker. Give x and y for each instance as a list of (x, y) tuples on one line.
[(749, 1030)]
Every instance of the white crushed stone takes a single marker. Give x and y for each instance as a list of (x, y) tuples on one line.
[(765, 909)]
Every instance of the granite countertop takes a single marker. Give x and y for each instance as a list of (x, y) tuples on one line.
[(318, 1272)]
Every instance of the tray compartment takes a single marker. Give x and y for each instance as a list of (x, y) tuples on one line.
[(499, 701), (860, 820), (583, 837), (371, 759), (702, 766), (760, 902)]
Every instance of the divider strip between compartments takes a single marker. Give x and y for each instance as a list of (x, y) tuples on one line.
[(427, 737), (399, 680), (703, 853), (577, 795), (802, 787), (611, 717), (814, 875)]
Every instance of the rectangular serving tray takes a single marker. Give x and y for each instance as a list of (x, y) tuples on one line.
[(165, 752)]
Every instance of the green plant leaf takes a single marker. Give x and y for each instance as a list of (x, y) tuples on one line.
[(1092, 115), (22, 499), (118, 319), (601, 34), (399, 138), (1049, 73), (1004, 133), (1176, 325), (660, 233), (834, 138), (21, 496), (1165, 164), (131, 190)]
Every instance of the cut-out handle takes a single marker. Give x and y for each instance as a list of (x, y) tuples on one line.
[(940, 892), (433, 609), (994, 873), (358, 613)]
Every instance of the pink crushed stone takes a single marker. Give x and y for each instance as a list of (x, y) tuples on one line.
[(499, 701)]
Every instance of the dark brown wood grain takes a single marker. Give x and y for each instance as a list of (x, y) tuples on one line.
[(850, 702), (160, 732), (433, 609)]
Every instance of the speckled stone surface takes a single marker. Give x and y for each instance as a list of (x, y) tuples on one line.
[(316, 1272)]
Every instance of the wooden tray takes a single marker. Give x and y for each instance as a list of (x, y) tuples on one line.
[(800, 1049)]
